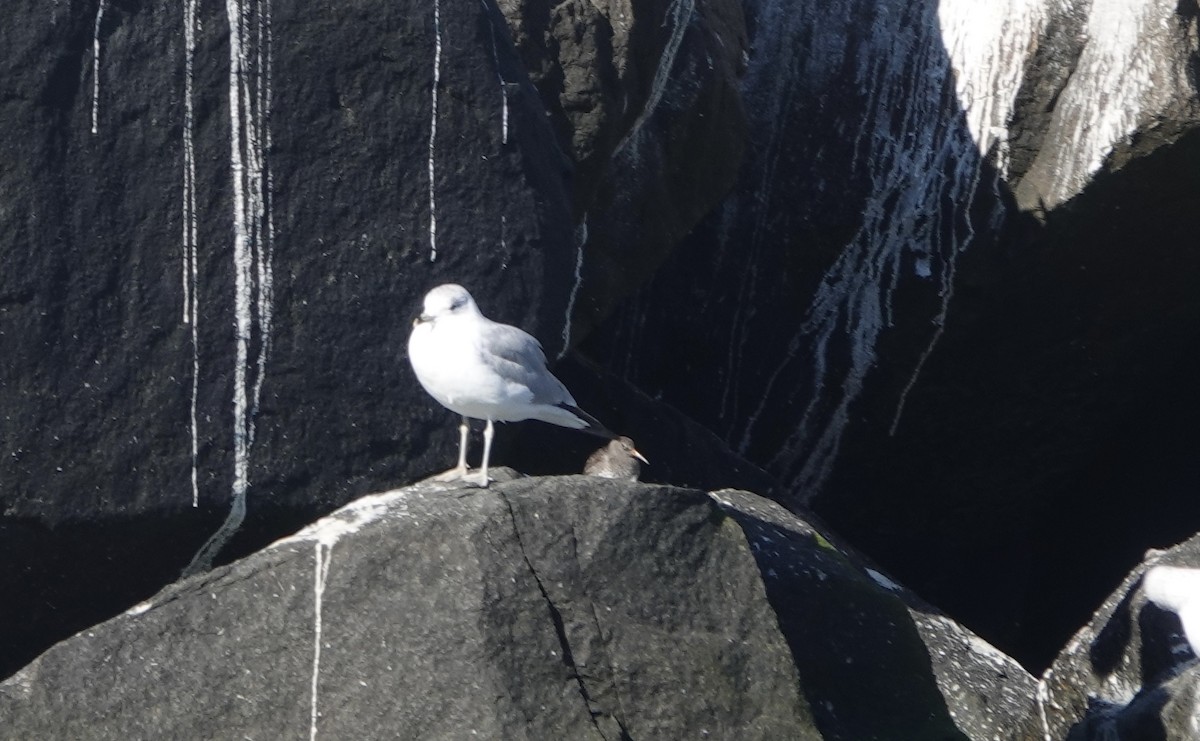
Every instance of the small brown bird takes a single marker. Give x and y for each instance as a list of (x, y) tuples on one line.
[(617, 460)]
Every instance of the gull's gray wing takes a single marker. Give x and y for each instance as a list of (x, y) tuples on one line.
[(518, 357)]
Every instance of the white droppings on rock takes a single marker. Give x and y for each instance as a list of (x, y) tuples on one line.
[(1043, 698), (140, 608), (324, 534), (96, 67), (581, 237), (1117, 85), (499, 78), (351, 518), (249, 104), (678, 14), (190, 231), (925, 168), (989, 46), (883, 581), (433, 112)]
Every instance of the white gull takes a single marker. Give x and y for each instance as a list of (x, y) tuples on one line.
[(486, 370)]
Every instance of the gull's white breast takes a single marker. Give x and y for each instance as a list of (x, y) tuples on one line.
[(449, 361)]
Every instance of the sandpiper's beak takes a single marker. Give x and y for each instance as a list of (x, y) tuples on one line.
[(639, 456)]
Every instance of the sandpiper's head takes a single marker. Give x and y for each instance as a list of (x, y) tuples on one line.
[(625, 445), (448, 299)]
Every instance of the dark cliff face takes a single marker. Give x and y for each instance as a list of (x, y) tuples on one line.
[(218, 221), (216, 231), (821, 251), (229, 213), (966, 377)]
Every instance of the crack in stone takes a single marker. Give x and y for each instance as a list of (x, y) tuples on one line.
[(559, 628), (612, 670), (612, 678)]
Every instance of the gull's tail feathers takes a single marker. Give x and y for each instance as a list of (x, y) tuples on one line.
[(590, 424)]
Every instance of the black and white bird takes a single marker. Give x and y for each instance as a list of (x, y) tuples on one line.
[(617, 460), (1177, 589), (485, 370)]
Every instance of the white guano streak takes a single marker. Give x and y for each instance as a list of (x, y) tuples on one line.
[(924, 168), (988, 47), (989, 44), (190, 305), (581, 236), (499, 76), (437, 76), (768, 93), (679, 13), (239, 132), (96, 67), (1112, 88), (503, 111), (1042, 695), (261, 181), (247, 124), (322, 555), (324, 534), (503, 241)]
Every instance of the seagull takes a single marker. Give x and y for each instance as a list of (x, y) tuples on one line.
[(482, 369), (1177, 589), (617, 460)]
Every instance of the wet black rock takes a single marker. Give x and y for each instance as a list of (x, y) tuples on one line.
[(215, 234), (1130, 672), (950, 303)]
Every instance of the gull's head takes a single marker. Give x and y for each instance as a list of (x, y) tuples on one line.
[(448, 299)]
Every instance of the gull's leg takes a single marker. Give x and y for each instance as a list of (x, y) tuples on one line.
[(464, 430), (460, 470), (488, 431)]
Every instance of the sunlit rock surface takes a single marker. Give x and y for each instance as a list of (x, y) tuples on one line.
[(875, 661), (1131, 672), (540, 608), (560, 607)]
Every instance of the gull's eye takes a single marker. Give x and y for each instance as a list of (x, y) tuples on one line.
[(458, 303)]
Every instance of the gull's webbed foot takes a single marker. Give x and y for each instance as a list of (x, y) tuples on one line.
[(454, 474), (479, 478)]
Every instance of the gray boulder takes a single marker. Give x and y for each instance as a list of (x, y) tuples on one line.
[(875, 661), (570, 607), (539, 608), (1131, 673)]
